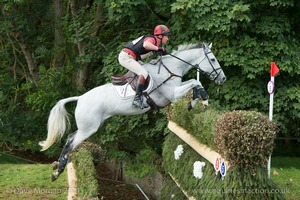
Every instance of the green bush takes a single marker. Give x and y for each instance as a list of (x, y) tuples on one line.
[(245, 139)]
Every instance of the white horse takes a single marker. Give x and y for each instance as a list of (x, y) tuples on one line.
[(100, 103)]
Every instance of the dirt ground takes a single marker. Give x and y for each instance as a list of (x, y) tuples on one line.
[(111, 189)]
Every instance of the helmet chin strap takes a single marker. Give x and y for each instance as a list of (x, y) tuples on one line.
[(161, 44), (160, 39)]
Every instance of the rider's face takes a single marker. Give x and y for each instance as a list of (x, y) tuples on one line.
[(165, 39)]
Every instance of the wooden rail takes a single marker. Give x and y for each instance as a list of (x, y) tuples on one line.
[(201, 149)]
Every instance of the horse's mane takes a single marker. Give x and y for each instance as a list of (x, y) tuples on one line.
[(184, 47)]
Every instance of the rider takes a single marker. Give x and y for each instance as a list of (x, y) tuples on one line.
[(139, 49)]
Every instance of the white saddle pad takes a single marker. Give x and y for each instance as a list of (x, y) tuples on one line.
[(126, 91)]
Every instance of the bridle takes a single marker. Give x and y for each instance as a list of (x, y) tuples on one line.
[(216, 71), (207, 74)]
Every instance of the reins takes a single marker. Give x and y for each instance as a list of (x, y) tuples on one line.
[(194, 66), (171, 75)]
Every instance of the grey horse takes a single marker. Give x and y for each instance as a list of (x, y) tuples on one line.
[(103, 102)]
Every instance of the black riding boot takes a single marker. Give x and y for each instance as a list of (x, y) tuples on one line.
[(138, 99)]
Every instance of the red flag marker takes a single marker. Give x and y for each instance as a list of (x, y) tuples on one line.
[(274, 69), (271, 87)]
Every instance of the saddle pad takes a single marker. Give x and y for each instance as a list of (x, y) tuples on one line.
[(126, 91)]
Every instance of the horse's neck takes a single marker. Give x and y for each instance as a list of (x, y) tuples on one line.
[(173, 65), (189, 57)]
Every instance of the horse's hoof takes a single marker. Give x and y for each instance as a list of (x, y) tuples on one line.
[(55, 165), (54, 176)]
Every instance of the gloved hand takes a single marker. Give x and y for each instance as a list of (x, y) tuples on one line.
[(162, 50)]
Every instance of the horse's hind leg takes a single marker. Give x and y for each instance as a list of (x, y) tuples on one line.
[(73, 141), (63, 158)]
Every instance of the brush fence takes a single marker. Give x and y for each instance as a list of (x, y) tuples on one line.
[(214, 158), (202, 173)]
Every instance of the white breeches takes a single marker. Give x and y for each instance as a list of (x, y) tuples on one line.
[(127, 61)]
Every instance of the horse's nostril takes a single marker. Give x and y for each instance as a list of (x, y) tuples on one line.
[(224, 78)]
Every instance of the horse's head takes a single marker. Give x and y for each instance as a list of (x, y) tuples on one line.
[(210, 67)]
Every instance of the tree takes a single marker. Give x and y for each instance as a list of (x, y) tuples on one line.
[(53, 49), (248, 36)]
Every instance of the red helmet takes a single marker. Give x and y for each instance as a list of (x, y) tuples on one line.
[(161, 30)]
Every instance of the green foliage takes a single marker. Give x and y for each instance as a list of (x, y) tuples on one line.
[(247, 36), (245, 139), (145, 163), (55, 84), (208, 16), (118, 10), (200, 121), (87, 184), (170, 190), (241, 184), (182, 169), (133, 133)]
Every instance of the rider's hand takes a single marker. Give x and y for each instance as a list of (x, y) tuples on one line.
[(162, 50)]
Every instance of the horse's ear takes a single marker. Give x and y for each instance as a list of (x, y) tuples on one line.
[(210, 45)]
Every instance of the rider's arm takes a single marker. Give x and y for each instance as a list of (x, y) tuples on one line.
[(149, 44), (146, 55)]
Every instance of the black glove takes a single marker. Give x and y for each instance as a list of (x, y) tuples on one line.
[(162, 50)]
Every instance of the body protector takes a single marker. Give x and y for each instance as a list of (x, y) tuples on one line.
[(137, 46)]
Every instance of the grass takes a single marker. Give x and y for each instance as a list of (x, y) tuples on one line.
[(20, 179), (285, 172)]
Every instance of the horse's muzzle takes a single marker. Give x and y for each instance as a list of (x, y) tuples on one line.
[(221, 81)]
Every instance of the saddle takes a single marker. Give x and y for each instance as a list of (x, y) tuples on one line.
[(130, 78)]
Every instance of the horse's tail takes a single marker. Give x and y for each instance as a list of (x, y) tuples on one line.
[(58, 123)]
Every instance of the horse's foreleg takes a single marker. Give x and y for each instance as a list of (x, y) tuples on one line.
[(183, 89), (63, 158), (199, 92)]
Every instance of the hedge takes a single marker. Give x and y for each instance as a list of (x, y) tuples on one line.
[(83, 159)]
